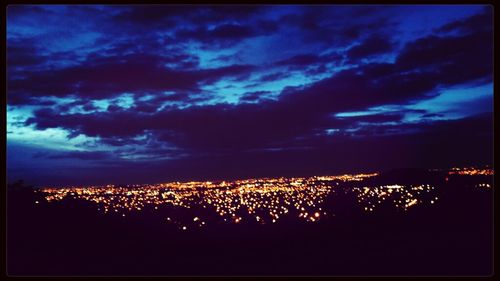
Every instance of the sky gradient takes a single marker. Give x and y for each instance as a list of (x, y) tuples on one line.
[(134, 94)]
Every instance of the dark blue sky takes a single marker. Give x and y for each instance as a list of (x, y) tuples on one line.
[(100, 94)]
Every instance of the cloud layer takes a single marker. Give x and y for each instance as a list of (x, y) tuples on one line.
[(204, 86)]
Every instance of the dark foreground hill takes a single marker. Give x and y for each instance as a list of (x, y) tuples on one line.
[(453, 237)]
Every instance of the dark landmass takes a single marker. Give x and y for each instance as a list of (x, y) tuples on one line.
[(70, 237)]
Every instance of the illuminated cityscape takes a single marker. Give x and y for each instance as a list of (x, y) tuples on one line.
[(261, 201), (471, 171), (249, 140)]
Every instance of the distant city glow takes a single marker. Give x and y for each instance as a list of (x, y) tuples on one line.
[(471, 171), (265, 200), (400, 196)]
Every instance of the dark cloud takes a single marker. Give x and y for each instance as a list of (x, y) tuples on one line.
[(147, 107), (306, 21), (479, 22), (222, 35), (226, 58), (435, 147), (104, 79), (432, 115), (89, 106), (224, 13), (299, 111), (159, 15), (328, 25), (85, 104), (376, 118), (231, 31), (15, 12), (19, 54), (143, 17), (111, 76), (273, 76), (451, 59), (238, 71), (195, 127), (311, 62), (374, 45), (171, 58), (121, 142), (476, 126), (254, 96), (81, 155), (305, 59)]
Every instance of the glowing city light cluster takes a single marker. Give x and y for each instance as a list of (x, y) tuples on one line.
[(259, 200), (471, 171), (347, 177), (268, 200), (400, 196), (484, 185)]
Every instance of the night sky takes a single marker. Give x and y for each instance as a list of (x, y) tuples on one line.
[(137, 94)]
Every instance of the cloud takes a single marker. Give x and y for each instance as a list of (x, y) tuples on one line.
[(23, 54), (273, 77), (421, 67), (223, 35), (432, 115), (254, 96), (475, 23), (81, 155), (309, 64), (376, 118), (111, 76), (176, 64), (451, 59), (374, 45), (335, 26), (158, 15), (304, 60), (224, 13)]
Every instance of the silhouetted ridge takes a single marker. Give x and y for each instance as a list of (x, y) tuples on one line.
[(404, 176)]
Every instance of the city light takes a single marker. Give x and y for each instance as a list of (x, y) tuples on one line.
[(265, 200)]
